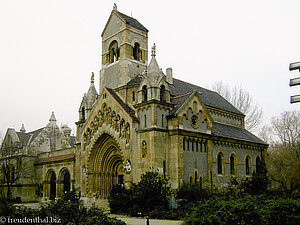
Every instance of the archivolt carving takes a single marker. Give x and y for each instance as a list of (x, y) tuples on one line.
[(106, 116)]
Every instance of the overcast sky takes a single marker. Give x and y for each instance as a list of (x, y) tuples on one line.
[(49, 48)]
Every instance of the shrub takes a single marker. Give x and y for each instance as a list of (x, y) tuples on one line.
[(150, 193), (68, 209), (119, 199)]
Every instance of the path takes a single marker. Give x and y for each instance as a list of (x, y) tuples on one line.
[(139, 221)]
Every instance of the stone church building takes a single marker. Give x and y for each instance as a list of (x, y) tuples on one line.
[(143, 119)]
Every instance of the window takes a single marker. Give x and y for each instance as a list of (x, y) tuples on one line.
[(196, 177), (232, 162), (247, 161), (144, 93), (145, 120), (258, 163), (184, 142), (220, 163), (162, 93), (204, 146), (83, 113), (162, 120), (192, 145), (136, 51), (133, 96), (197, 146), (114, 52)]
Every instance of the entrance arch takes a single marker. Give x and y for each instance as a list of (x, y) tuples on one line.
[(51, 184), (64, 181), (105, 166)]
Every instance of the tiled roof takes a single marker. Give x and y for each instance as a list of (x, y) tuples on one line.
[(56, 158), (135, 80), (133, 22), (209, 98), (179, 100), (25, 137), (236, 133), (129, 110)]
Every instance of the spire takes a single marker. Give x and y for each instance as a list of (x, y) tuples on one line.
[(153, 71), (92, 78), (52, 118), (153, 51), (52, 121), (23, 129)]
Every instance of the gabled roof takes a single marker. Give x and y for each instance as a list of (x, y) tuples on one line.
[(30, 136), (133, 22), (127, 19), (180, 91), (236, 133), (127, 109), (209, 98)]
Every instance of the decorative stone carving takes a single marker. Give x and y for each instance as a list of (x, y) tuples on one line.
[(144, 148), (106, 115), (127, 167)]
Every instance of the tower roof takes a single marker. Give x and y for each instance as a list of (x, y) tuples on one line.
[(126, 19), (133, 22)]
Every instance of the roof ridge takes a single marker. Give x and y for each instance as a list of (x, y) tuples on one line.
[(179, 96)]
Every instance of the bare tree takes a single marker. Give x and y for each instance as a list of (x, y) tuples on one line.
[(14, 167), (284, 159), (243, 101)]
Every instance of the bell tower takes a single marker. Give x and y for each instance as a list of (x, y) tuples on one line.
[(124, 50)]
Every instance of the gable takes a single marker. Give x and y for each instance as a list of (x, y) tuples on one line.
[(193, 114), (113, 25)]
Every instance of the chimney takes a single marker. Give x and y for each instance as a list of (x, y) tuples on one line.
[(169, 75)]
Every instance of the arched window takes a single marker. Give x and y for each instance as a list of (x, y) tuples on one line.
[(232, 164), (136, 51), (220, 163), (133, 96), (247, 162), (114, 52), (184, 142), (144, 93), (192, 144), (162, 93), (196, 177), (83, 113), (204, 146), (258, 164)]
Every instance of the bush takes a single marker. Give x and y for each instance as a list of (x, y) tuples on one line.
[(150, 193), (189, 194), (119, 199), (66, 209), (248, 210)]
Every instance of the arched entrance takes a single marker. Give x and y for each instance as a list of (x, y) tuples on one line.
[(64, 181), (105, 166), (51, 185)]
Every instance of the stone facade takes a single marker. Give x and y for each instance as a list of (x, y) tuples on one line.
[(143, 120)]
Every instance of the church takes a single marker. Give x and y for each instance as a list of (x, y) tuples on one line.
[(143, 119)]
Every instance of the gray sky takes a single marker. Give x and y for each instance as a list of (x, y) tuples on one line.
[(48, 49)]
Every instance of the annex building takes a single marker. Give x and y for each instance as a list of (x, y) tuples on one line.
[(143, 119)]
